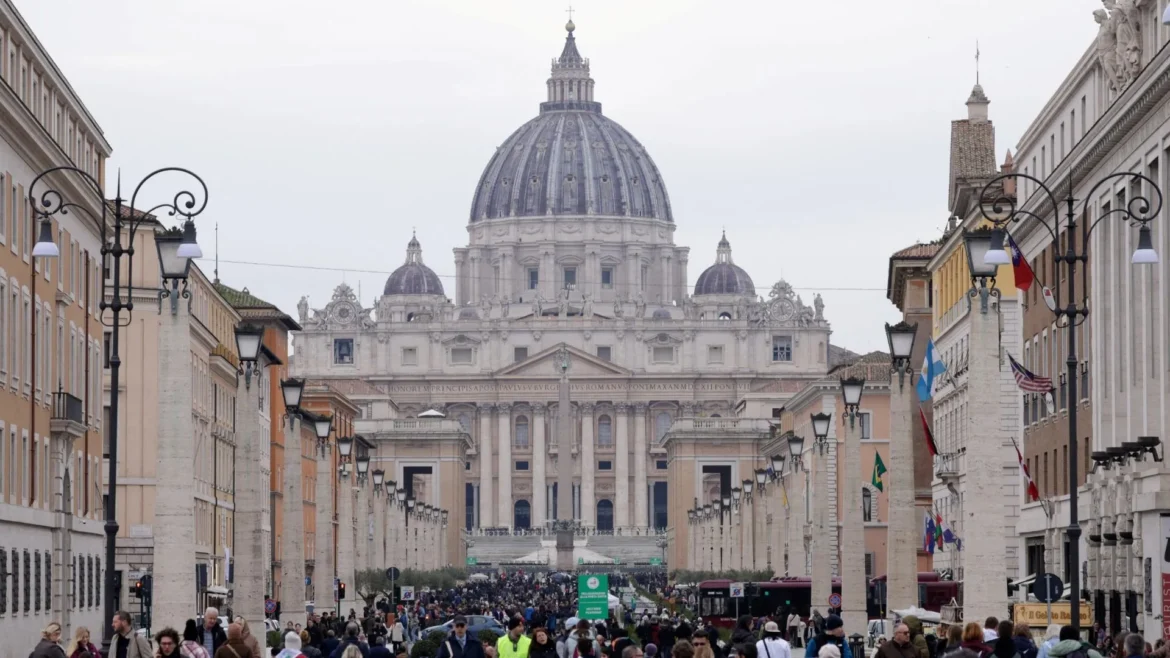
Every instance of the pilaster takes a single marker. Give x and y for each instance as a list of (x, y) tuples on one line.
[(621, 499), (504, 471), (588, 464), (539, 460)]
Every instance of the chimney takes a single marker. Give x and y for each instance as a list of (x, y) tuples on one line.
[(1008, 167)]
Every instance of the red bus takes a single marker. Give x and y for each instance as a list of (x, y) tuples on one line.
[(785, 595)]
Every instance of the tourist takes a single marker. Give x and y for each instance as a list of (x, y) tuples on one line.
[(212, 637), (459, 644), (234, 646), (127, 643), (542, 646), (50, 644), (81, 644), (834, 633), (167, 641), (1004, 645), (1071, 646), (191, 646), (772, 643), (1022, 637)]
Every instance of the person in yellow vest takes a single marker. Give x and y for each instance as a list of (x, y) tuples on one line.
[(515, 643)]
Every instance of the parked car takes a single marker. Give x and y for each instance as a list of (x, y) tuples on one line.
[(475, 624)]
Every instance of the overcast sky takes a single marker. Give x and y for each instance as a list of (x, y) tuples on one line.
[(817, 133)]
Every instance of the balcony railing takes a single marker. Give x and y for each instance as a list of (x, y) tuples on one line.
[(68, 407)]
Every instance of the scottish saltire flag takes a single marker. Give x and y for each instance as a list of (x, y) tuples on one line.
[(932, 366)]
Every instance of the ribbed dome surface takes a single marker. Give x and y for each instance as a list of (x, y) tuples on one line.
[(571, 162), (724, 277), (413, 277)]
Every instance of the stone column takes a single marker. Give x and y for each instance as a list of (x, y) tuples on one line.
[(174, 504), (588, 464), (64, 433), (345, 536), (822, 574), (324, 568), (640, 451), (621, 470), (292, 554), (797, 482), (252, 498), (486, 499), (539, 461), (361, 539), (853, 585), (504, 418), (667, 290), (986, 460), (905, 527), (379, 558)]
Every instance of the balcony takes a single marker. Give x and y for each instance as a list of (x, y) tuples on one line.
[(946, 467), (728, 428), (412, 429), (68, 416)]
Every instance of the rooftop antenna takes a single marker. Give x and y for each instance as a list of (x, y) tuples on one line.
[(217, 252), (977, 61)]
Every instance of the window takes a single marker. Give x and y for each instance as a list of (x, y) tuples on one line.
[(467, 466), (605, 432), (533, 278), (607, 277), (522, 465), (865, 419), (866, 505), (645, 276), (461, 355), (521, 433), (410, 356), (519, 354), (106, 338), (603, 352), (781, 348), (605, 465), (3, 188), (714, 354), (663, 354), (660, 464), (570, 277), (661, 425), (343, 351)]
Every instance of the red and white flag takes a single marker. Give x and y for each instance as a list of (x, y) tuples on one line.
[(1033, 490)]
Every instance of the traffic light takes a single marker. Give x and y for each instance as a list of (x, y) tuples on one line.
[(138, 590), (147, 586), (341, 591)]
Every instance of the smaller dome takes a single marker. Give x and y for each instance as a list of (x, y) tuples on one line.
[(413, 277), (724, 277)]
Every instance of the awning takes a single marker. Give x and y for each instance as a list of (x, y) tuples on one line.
[(1024, 582), (217, 590)]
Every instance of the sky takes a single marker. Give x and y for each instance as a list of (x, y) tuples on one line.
[(816, 133)]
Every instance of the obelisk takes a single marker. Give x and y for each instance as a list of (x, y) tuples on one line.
[(564, 524)]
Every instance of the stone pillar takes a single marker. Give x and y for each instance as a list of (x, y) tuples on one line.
[(292, 555), (504, 418), (822, 585), (539, 461), (174, 504), (361, 540), (379, 558), (621, 467), (640, 451), (588, 464), (345, 536), (324, 568), (984, 561), (853, 585), (252, 498), (486, 499), (64, 433), (905, 528), (667, 279), (797, 482)]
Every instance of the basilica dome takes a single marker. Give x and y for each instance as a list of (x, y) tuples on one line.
[(724, 277), (413, 277), (571, 160)]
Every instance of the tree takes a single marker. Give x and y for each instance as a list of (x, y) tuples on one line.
[(371, 583)]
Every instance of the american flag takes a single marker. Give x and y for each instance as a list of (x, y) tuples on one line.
[(1028, 382)]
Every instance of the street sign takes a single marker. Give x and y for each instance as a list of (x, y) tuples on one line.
[(1047, 588), (393, 574), (407, 593), (472, 561), (580, 560), (593, 596), (656, 562), (617, 561), (1036, 614), (737, 590), (270, 607), (834, 600)]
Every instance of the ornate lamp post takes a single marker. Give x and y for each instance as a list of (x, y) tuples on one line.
[(1140, 209), (248, 338), (853, 585), (323, 427), (903, 533), (117, 239)]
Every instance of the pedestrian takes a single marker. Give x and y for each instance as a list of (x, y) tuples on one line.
[(829, 651), (250, 640), (515, 643), (127, 643), (1004, 645), (191, 647), (1071, 646), (352, 630), (397, 632), (743, 631), (650, 650), (953, 641), (990, 630), (1022, 637), (234, 646), (167, 644), (901, 646), (80, 644), (1135, 646), (330, 643), (973, 640), (921, 649), (50, 644), (459, 644), (379, 649), (772, 643), (794, 628), (682, 649), (834, 633), (1051, 637), (212, 637), (542, 646)]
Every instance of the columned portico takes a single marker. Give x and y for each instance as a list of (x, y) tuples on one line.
[(588, 464), (621, 503), (504, 469)]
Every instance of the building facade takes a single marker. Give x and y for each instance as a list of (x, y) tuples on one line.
[(570, 243), (51, 467)]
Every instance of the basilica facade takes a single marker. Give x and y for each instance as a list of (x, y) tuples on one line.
[(570, 243)]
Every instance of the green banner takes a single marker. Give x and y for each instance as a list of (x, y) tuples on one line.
[(656, 562), (592, 596), (472, 561)]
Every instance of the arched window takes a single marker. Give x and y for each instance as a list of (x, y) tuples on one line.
[(725, 316), (521, 430), (522, 515), (866, 505), (605, 514), (716, 416), (661, 425), (604, 432)]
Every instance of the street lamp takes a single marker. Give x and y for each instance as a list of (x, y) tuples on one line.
[(174, 267), (323, 425), (901, 339), (736, 494), (777, 465), (796, 447), (851, 390), (761, 479), (379, 474), (820, 425), (344, 448), (400, 496), (117, 239), (444, 518), (1141, 209), (363, 467), (292, 389), (978, 244), (248, 339)]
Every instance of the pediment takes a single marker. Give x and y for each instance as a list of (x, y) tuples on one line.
[(543, 364)]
